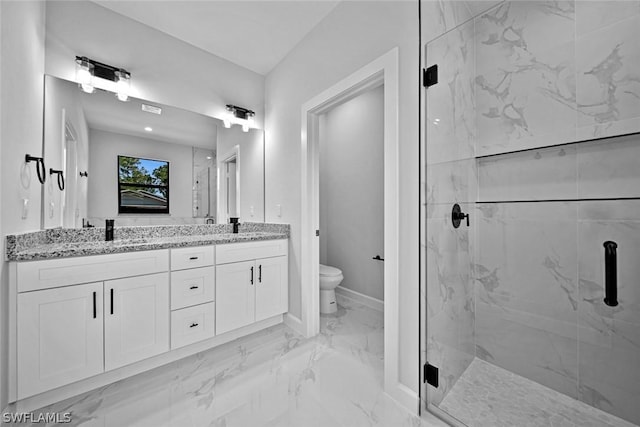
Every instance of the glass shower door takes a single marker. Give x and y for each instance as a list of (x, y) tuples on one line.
[(533, 130), (450, 218)]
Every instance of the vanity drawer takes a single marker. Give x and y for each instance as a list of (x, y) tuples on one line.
[(192, 287), (50, 273), (192, 324), (235, 252), (197, 256)]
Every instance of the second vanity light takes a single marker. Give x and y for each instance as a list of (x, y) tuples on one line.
[(92, 74), (240, 116)]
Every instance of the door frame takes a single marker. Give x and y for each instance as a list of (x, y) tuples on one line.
[(233, 153), (382, 71)]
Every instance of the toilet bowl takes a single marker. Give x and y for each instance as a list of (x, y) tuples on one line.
[(330, 278)]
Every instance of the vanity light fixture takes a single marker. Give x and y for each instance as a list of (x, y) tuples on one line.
[(240, 116), (92, 74)]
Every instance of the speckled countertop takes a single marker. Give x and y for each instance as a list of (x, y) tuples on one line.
[(61, 243)]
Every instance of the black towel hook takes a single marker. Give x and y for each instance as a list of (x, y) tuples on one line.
[(40, 169), (60, 177)]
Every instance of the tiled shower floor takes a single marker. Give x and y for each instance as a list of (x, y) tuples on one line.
[(489, 396)]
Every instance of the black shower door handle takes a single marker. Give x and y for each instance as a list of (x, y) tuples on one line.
[(610, 273)]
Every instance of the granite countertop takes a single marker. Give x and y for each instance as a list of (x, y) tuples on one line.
[(49, 244)]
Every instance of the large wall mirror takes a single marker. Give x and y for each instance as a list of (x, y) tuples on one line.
[(148, 156)]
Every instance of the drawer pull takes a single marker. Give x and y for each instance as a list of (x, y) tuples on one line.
[(111, 300), (193, 258), (94, 306), (193, 287), (260, 273), (252, 275), (193, 325)]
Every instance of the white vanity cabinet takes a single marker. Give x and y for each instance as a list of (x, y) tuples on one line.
[(251, 283), (70, 327), (60, 337), (82, 322), (136, 320)]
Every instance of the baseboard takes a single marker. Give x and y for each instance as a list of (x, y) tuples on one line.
[(294, 323), (363, 299), (405, 397)]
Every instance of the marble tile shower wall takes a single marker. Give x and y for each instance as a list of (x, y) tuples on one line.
[(524, 282)]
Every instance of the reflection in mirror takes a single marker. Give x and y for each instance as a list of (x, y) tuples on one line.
[(204, 183), (85, 134)]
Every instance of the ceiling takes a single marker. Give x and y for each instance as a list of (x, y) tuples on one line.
[(255, 34)]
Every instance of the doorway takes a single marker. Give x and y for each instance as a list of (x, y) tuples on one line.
[(229, 185), (382, 71), (351, 201)]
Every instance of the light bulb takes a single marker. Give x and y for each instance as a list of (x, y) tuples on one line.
[(245, 127), (84, 75), (88, 88), (122, 85), (226, 123)]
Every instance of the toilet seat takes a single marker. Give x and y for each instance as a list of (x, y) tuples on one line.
[(329, 271)]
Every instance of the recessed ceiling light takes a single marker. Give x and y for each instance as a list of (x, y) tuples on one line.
[(208, 157), (148, 129)]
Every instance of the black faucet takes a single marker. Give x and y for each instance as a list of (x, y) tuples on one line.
[(234, 220), (108, 228)]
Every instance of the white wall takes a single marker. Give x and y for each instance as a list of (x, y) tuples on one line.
[(351, 36), (104, 148), (63, 104), (21, 87), (351, 191), (251, 164), (163, 69)]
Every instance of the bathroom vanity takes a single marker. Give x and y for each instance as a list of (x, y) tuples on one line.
[(115, 309)]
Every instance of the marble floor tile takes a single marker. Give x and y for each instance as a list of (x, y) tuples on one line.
[(270, 378), (489, 396)]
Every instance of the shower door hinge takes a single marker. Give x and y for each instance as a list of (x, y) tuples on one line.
[(430, 76), (430, 375)]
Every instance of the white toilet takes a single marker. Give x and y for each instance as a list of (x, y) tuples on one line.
[(330, 278)]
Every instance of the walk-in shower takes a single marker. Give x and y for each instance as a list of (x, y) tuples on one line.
[(531, 212)]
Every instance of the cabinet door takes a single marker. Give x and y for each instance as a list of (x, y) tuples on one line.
[(235, 295), (136, 323), (271, 287), (60, 338)]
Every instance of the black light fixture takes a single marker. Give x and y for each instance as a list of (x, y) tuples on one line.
[(238, 115), (88, 70)]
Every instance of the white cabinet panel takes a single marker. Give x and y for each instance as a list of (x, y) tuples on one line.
[(245, 251), (192, 324), (60, 337), (49, 273), (136, 324), (235, 296), (271, 287), (192, 287)]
